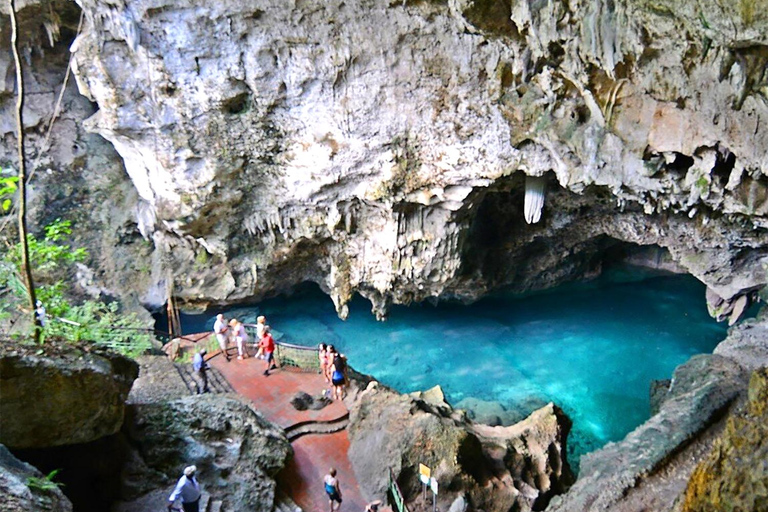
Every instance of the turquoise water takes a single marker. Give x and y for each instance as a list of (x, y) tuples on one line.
[(592, 348)]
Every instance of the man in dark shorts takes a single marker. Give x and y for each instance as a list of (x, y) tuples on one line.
[(332, 489), (267, 347)]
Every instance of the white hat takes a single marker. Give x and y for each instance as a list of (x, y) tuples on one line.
[(190, 470)]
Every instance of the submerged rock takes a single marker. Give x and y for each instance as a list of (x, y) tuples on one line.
[(24, 489), (477, 466), (55, 394)]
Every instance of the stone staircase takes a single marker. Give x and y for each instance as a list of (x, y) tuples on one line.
[(297, 430), (216, 381), (283, 503)]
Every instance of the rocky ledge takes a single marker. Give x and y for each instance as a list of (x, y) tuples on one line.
[(61, 394), (650, 469), (478, 467), (23, 488), (734, 476), (237, 452)]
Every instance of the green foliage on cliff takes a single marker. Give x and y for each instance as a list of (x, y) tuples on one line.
[(53, 261)]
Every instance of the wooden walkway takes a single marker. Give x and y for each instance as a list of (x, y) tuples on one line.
[(314, 454)]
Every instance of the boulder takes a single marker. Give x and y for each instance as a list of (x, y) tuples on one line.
[(734, 476), (54, 394), (491, 468), (24, 488), (237, 452)]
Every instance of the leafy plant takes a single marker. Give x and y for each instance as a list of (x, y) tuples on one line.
[(8, 188), (45, 483), (93, 321)]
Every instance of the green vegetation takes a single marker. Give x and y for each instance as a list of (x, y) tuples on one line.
[(53, 260), (8, 188), (45, 483)]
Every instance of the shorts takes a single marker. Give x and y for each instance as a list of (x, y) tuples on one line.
[(332, 494), (269, 356)]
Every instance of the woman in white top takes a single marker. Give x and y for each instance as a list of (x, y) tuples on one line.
[(240, 338)]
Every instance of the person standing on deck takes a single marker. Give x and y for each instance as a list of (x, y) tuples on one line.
[(220, 330), (240, 338), (338, 376), (267, 347), (200, 371), (332, 488), (261, 326), (188, 490)]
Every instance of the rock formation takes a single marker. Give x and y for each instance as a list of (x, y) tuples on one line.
[(364, 145), (236, 450), (486, 468), (651, 467), (399, 150), (734, 476), (61, 394), (23, 488)]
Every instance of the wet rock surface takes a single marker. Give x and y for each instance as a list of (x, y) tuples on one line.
[(60, 394), (490, 468), (24, 488)]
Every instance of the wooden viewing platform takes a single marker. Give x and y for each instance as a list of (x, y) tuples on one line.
[(314, 453)]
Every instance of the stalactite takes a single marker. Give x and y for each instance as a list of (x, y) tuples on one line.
[(534, 198)]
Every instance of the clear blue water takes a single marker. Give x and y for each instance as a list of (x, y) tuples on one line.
[(592, 348)]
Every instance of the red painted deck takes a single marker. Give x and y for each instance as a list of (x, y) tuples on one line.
[(314, 454)]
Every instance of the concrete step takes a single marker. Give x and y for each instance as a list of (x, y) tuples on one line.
[(215, 506)]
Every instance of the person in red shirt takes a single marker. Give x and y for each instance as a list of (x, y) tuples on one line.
[(267, 347)]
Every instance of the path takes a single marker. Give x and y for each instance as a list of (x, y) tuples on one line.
[(314, 454)]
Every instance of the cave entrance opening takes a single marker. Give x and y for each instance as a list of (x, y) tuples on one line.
[(591, 347)]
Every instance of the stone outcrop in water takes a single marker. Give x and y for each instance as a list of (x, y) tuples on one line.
[(23, 488), (734, 476), (274, 143), (518, 467), (61, 394)]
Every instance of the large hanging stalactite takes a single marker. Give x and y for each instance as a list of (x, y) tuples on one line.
[(534, 198)]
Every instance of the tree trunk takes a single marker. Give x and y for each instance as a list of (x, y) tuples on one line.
[(25, 267)]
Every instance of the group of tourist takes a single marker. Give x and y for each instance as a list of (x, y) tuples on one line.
[(333, 366), (233, 331)]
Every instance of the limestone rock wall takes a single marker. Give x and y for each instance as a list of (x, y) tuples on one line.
[(237, 452), (354, 143), (61, 395), (734, 476)]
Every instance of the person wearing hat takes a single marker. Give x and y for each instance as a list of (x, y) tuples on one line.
[(188, 490), (200, 371)]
